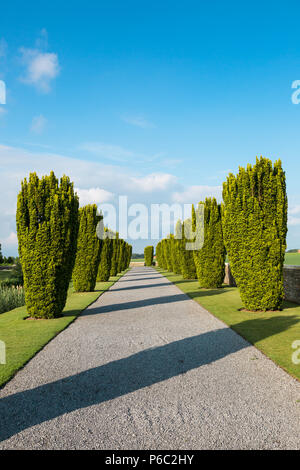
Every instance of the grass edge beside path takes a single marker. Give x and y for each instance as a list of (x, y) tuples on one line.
[(272, 333), (25, 338)]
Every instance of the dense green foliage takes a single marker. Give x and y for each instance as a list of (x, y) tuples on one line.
[(175, 249), (210, 259), (47, 226), (188, 268), (121, 255), (148, 255), (88, 250), (115, 255), (255, 228), (106, 257), (160, 257)]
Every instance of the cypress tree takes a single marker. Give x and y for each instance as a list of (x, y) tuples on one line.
[(121, 255), (188, 268), (210, 259), (47, 226), (176, 248), (148, 255), (167, 254), (88, 250), (160, 255), (255, 228), (115, 255), (105, 259)]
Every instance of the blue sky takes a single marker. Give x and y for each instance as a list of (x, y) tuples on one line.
[(157, 100)]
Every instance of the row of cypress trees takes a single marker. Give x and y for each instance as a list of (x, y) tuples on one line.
[(58, 241), (250, 226)]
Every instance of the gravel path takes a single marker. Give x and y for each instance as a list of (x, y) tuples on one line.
[(146, 367)]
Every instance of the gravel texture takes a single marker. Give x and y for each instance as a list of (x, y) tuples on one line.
[(146, 367)]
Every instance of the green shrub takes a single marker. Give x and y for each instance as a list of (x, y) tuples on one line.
[(188, 267), (210, 259), (167, 253), (105, 259), (121, 254), (47, 225), (255, 228), (115, 255), (160, 255), (148, 255), (88, 250), (176, 249)]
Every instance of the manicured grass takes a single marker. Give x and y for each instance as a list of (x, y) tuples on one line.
[(138, 259), (24, 338), (292, 259), (272, 332)]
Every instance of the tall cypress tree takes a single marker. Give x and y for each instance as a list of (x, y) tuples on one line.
[(148, 255), (115, 255), (188, 267), (255, 228), (47, 226), (167, 253), (105, 259), (176, 248), (121, 255), (210, 259), (88, 250)]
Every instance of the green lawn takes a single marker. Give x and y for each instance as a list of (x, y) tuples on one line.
[(292, 258), (138, 259), (272, 333), (24, 338)]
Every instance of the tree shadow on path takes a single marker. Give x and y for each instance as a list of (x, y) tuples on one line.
[(117, 378)]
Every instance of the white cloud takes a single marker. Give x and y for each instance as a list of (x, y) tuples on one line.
[(96, 182), (93, 196), (38, 124), (295, 210), (195, 194), (109, 151), (10, 241), (138, 121), (41, 68), (293, 221), (154, 182)]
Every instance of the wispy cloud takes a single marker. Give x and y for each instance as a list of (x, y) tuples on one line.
[(38, 124), (195, 194), (108, 151), (154, 182), (41, 67), (138, 121), (93, 196)]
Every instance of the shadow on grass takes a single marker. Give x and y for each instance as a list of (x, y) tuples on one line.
[(257, 329)]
